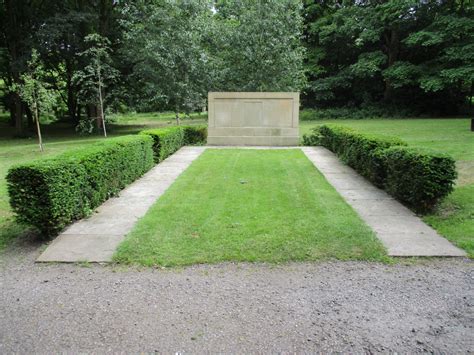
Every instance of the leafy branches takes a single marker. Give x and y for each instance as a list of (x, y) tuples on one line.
[(96, 76), (409, 53), (35, 91)]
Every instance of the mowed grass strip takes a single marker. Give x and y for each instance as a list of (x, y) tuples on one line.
[(249, 205)]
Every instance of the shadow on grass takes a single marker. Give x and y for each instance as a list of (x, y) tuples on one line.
[(17, 236)]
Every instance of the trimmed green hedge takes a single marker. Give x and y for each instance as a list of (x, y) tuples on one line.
[(168, 140), (49, 194), (416, 177), (358, 150), (195, 135)]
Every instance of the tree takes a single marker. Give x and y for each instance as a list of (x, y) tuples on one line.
[(260, 47), (412, 54), (18, 21), (96, 76), (448, 65), (35, 91), (165, 46)]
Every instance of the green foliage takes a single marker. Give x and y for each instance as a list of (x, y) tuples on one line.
[(166, 141), (415, 54), (359, 150), (357, 113), (34, 88), (368, 65), (259, 45), (418, 178), (195, 135), (166, 47), (51, 193), (35, 91), (56, 29), (96, 76)]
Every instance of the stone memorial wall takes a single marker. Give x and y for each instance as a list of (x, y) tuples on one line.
[(253, 118)]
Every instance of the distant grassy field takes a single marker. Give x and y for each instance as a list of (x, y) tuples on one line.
[(249, 205), (455, 216)]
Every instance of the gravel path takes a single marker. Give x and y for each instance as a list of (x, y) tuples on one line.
[(328, 306)]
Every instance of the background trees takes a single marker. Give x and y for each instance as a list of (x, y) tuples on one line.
[(167, 56), (260, 45), (406, 55), (412, 54)]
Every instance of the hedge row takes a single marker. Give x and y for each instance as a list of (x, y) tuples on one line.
[(416, 177), (49, 194), (168, 140)]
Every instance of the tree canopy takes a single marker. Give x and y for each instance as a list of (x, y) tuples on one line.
[(411, 55)]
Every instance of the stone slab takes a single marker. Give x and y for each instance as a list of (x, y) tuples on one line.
[(253, 118), (70, 248), (399, 229), (95, 239)]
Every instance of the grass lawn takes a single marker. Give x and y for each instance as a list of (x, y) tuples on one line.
[(454, 218), (59, 138), (249, 205)]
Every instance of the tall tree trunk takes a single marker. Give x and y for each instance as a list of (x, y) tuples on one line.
[(71, 95), (392, 46), (471, 93), (13, 43), (11, 109), (18, 108), (178, 122), (105, 12)]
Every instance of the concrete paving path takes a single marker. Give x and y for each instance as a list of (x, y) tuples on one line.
[(95, 239), (399, 229)]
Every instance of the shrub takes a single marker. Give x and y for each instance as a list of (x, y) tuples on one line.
[(418, 178), (49, 194), (168, 140), (359, 150), (356, 113), (195, 135)]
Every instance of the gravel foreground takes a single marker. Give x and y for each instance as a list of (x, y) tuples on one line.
[(423, 306)]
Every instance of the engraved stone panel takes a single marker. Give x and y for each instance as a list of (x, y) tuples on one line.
[(253, 118)]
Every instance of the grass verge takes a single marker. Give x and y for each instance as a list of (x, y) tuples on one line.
[(249, 205)]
